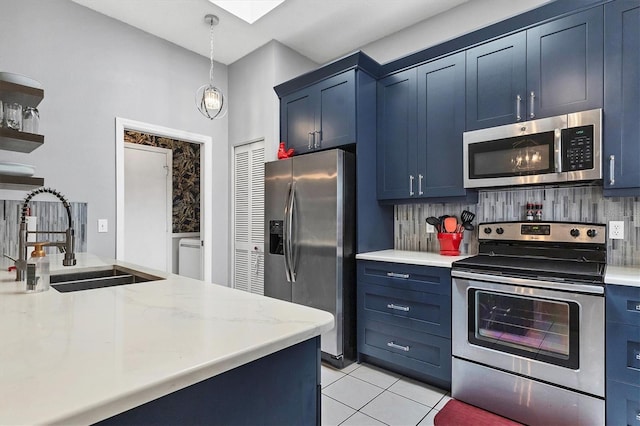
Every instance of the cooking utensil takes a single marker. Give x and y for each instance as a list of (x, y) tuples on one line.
[(450, 224), (467, 216), (468, 226), (431, 220)]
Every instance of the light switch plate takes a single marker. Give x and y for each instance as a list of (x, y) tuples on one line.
[(103, 225), (430, 229)]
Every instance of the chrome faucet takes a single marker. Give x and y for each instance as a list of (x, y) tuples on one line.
[(67, 246)]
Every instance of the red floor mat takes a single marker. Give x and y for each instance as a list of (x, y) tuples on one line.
[(457, 413)]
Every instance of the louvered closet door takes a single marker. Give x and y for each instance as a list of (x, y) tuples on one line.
[(248, 217)]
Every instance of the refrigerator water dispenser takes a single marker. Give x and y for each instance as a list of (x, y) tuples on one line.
[(276, 245)]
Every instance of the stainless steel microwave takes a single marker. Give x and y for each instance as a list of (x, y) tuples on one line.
[(565, 148)]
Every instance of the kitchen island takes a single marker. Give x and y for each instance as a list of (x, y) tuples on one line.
[(175, 350)]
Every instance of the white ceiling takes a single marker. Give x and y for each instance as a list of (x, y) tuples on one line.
[(321, 30)]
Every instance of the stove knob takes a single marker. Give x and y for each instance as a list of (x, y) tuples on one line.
[(500, 231), (574, 232), (591, 233), (487, 230)]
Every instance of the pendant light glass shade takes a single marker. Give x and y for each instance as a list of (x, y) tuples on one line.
[(209, 99)]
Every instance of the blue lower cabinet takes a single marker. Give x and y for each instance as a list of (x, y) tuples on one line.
[(279, 389), (420, 311), (404, 319), (623, 404), (623, 355)]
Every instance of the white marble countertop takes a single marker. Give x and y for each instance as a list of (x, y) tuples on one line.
[(79, 357), (411, 257), (622, 275)]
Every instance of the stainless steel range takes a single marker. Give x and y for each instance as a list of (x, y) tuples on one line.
[(528, 323)]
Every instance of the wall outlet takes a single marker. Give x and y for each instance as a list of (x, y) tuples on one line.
[(430, 229), (616, 230), (103, 225)]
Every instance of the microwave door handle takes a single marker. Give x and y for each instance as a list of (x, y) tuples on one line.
[(286, 237), (557, 142)]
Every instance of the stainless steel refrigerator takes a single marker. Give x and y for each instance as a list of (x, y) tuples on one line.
[(310, 241)]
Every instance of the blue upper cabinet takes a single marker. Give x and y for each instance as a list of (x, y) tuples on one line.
[(320, 116), (550, 69), (297, 120), (397, 133), (564, 65), (420, 123), (496, 82), (441, 106), (622, 99)]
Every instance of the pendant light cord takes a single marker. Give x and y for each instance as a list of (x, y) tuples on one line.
[(211, 52)]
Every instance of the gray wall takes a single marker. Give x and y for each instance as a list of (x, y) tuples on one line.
[(93, 69)]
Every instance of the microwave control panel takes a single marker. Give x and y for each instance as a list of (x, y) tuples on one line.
[(577, 148)]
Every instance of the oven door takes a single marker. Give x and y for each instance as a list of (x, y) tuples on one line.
[(544, 334)]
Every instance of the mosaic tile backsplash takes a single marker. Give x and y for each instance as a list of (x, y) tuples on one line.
[(51, 215), (186, 178), (571, 204)]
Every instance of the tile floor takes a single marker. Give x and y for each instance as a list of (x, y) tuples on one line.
[(365, 395)]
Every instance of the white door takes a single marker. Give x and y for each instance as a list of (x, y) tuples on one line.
[(248, 217), (147, 206)]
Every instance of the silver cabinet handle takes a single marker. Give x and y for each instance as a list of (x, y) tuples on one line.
[(396, 275), (420, 177), (518, 100), (612, 170), (396, 346), (309, 142), (398, 307), (316, 144), (532, 98), (411, 193)]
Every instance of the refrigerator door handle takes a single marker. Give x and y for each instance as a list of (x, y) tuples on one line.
[(286, 249), (291, 237)]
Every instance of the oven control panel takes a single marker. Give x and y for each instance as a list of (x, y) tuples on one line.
[(561, 232)]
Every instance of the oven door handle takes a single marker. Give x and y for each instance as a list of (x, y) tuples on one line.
[(523, 282)]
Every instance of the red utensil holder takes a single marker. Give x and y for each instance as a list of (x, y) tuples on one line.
[(450, 243)]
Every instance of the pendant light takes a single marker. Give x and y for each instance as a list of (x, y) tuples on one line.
[(209, 99)]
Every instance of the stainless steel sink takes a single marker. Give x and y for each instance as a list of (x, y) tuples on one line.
[(97, 278)]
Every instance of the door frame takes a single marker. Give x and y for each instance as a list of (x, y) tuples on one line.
[(206, 178), (169, 205)]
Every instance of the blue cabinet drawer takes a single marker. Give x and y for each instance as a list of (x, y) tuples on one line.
[(408, 277), (623, 353), (424, 353), (623, 404), (416, 310), (623, 304)]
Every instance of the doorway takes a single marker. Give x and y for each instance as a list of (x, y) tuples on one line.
[(147, 206), (206, 199), (248, 217)]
